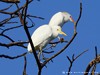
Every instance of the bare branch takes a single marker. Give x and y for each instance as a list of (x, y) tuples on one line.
[(11, 1), (7, 37), (23, 22), (15, 57), (14, 44), (10, 28), (80, 54), (94, 61), (73, 60), (93, 69), (7, 20), (79, 15), (58, 42), (96, 53), (6, 8), (35, 17), (15, 12), (25, 64)]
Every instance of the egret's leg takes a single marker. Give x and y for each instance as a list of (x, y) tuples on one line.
[(39, 55), (58, 38), (40, 51), (61, 39)]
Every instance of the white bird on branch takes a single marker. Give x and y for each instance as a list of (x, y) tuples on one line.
[(46, 33), (60, 18), (43, 35)]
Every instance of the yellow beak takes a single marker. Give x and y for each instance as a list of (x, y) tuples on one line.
[(61, 32)]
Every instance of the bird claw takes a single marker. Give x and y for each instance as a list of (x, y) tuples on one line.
[(61, 40)]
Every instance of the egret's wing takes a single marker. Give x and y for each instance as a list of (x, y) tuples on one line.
[(41, 34)]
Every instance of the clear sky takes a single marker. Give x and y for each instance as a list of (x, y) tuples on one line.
[(87, 38)]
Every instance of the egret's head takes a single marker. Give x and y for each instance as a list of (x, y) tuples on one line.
[(59, 30), (67, 17)]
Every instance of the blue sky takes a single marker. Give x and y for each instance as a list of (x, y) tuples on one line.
[(87, 38)]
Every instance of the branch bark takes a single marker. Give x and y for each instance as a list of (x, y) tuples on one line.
[(10, 57), (11, 1), (23, 22), (93, 62), (73, 60)]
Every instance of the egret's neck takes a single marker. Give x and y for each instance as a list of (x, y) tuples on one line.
[(57, 20), (58, 23)]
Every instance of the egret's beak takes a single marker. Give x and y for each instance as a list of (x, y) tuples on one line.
[(72, 20), (61, 32)]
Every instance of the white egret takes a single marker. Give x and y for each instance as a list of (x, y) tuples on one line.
[(46, 33), (60, 19), (43, 35)]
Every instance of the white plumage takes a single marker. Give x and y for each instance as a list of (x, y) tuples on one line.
[(60, 19), (46, 33), (43, 35)]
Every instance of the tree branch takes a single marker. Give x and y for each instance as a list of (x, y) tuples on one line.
[(93, 63), (23, 22), (10, 1), (14, 44), (7, 37), (25, 64), (10, 28), (6, 8), (15, 57), (73, 60)]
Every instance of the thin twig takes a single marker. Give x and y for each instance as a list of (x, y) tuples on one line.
[(6, 8), (15, 12), (11, 22), (96, 53), (25, 64), (58, 42), (10, 28), (73, 60), (94, 61), (7, 37), (21, 44), (10, 57), (80, 54), (10, 1), (7, 20), (35, 17)]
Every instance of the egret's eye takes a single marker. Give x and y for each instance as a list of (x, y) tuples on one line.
[(57, 29)]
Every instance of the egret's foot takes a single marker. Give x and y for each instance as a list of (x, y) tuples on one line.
[(61, 40)]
